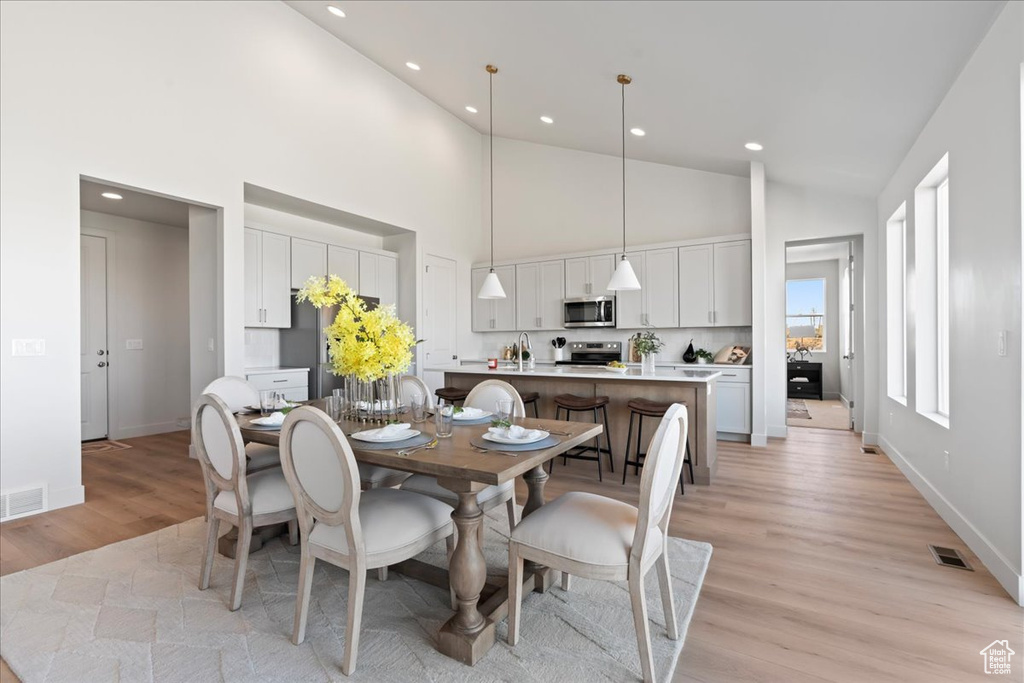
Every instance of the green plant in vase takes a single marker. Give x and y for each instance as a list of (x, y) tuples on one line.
[(704, 356), (648, 344)]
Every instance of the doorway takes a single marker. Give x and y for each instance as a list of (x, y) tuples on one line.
[(94, 337), (439, 324), (820, 333)]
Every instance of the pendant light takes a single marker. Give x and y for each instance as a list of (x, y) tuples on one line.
[(624, 279), (491, 288)]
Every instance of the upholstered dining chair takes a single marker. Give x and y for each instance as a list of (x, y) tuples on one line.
[(238, 393), (338, 523), (246, 501), (600, 538), (482, 396)]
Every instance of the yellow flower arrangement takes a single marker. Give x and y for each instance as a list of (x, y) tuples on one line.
[(369, 345)]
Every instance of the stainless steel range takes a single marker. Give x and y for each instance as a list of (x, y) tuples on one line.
[(592, 353)]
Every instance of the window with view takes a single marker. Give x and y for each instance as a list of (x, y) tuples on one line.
[(805, 314), (896, 304)]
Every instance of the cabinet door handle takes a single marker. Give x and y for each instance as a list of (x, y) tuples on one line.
[(279, 381), (709, 317)]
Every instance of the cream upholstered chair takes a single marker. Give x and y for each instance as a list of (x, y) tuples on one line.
[(244, 501), (238, 393), (600, 538), (414, 387), (482, 396), (353, 529)]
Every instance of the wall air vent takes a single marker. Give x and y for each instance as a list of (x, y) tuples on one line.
[(949, 557), (21, 502)]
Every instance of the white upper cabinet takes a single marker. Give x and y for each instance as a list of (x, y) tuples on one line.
[(539, 294), (378, 277), (661, 288), (732, 278), (308, 259), (494, 315), (696, 297), (267, 279), (344, 263), (589, 276)]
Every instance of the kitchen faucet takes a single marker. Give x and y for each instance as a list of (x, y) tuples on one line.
[(528, 347)]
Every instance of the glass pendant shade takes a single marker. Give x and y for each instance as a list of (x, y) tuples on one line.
[(492, 288), (623, 279)]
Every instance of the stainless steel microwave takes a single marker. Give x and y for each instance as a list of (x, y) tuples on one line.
[(589, 311)]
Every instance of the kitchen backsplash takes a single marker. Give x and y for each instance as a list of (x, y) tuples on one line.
[(262, 348), (710, 338)]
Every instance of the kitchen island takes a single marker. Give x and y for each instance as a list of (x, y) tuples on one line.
[(696, 389)]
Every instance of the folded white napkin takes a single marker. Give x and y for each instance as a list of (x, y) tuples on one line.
[(275, 419), (385, 433), (470, 413), (516, 432)]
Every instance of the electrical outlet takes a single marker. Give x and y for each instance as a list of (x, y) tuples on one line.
[(945, 455), (28, 347), (1001, 343), (890, 418), (209, 344), (133, 344)]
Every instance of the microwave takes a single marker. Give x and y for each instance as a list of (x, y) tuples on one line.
[(590, 311)]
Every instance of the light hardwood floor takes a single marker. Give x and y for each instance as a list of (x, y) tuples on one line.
[(820, 570)]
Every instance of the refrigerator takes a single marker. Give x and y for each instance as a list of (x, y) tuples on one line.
[(304, 344)]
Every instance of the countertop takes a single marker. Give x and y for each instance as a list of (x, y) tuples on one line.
[(657, 364), (273, 370), (561, 371)]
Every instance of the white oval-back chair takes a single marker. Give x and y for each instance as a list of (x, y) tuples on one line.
[(246, 501), (353, 529), (414, 387), (238, 394), (601, 538), (482, 396)]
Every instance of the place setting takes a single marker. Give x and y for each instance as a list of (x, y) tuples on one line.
[(398, 436)]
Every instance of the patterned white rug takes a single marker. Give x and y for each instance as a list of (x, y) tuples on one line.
[(131, 611)]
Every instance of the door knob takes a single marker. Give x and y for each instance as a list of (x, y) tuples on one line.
[(101, 364), (100, 352)]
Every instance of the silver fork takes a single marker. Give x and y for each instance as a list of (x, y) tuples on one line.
[(425, 447), (490, 450)]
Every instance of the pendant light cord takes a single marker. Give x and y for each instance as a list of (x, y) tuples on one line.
[(623, 170), (490, 135)]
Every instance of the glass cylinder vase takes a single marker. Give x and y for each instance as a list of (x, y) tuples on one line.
[(647, 364)]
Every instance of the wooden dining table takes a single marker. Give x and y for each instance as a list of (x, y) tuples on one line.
[(464, 470)]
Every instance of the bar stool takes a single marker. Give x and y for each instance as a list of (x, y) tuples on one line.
[(531, 397), (451, 394), (578, 404), (641, 408)]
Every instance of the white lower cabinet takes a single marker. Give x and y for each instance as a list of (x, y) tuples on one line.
[(294, 384), (734, 408)]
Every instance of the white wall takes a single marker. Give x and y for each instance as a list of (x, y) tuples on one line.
[(147, 299), (549, 201), (979, 124), (191, 100), (206, 351), (829, 358)]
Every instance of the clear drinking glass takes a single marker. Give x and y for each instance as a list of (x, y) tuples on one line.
[(268, 399), (443, 419), (339, 403), (418, 406), (503, 409)]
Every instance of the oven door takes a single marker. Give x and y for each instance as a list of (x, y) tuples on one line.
[(598, 311)]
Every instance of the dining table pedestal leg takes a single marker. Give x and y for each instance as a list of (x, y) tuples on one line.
[(535, 480), (468, 635)]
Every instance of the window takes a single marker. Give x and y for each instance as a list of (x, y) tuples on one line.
[(896, 304), (805, 314), (930, 310)]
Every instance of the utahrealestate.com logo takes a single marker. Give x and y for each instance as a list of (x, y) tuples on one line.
[(997, 657)]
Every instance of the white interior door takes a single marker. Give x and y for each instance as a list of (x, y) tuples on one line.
[(439, 324), (851, 356), (94, 358)]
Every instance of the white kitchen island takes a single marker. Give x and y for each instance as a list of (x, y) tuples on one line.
[(696, 389)]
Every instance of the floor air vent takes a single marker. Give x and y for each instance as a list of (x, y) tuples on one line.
[(949, 557), (22, 502), (868, 449)]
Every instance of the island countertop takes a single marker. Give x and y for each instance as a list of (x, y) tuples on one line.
[(594, 373)]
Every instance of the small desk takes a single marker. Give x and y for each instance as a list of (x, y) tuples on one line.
[(469, 634), (807, 376)]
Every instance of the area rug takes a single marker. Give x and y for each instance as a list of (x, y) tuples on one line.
[(102, 446), (131, 611), (796, 409)]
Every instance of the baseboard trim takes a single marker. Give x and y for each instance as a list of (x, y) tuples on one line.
[(778, 432), (759, 440), (845, 401), (62, 498), (993, 560), (148, 430), (831, 396)]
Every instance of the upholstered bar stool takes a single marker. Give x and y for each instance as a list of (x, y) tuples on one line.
[(639, 408), (451, 394), (571, 403), (531, 398)]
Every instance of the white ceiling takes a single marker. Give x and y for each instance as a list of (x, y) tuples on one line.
[(836, 91), (138, 205)]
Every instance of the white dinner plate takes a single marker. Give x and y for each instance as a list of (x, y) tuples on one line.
[(459, 417), (491, 436), (404, 435)]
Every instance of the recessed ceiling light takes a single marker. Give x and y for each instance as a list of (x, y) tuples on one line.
[(754, 146), (413, 65), (639, 132), (111, 195), (547, 119), (336, 11), (471, 110)]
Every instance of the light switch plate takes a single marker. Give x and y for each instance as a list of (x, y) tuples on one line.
[(133, 344), (1001, 343), (28, 347)]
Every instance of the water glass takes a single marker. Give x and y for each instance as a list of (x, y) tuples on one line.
[(503, 409), (339, 403), (268, 401), (443, 419), (418, 406)]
